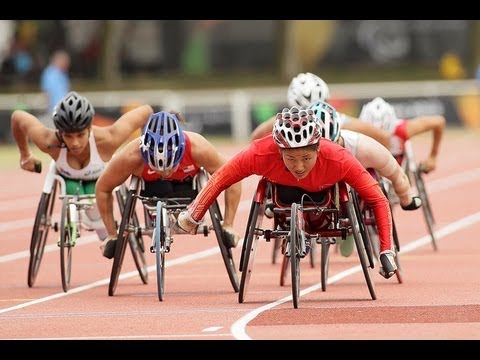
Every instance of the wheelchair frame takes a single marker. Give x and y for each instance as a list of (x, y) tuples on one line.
[(157, 214), (345, 220), (415, 177), (69, 227)]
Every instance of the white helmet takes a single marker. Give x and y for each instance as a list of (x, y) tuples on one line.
[(328, 116), (296, 128), (305, 88), (379, 113)]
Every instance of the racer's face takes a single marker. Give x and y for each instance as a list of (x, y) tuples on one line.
[(76, 142), (300, 161)]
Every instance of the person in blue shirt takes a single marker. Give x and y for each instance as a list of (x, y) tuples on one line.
[(55, 83)]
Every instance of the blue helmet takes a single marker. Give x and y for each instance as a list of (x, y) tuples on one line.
[(162, 143), (328, 116)]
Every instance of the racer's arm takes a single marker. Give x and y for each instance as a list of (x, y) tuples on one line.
[(263, 129), (27, 127), (422, 124), (357, 177), (368, 129), (205, 154), (126, 162), (115, 135), (373, 155)]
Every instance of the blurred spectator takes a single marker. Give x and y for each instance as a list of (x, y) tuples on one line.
[(55, 83), (451, 67)]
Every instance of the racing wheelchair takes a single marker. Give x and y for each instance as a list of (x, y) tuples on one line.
[(160, 214), (415, 175), (371, 226), (70, 226), (299, 219)]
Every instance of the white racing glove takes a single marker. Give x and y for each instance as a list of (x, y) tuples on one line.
[(389, 267), (185, 224)]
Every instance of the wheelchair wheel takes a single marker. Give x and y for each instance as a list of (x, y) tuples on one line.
[(42, 224), (67, 235), (360, 244), (135, 239), (295, 248), (427, 210), (324, 259), (125, 234), (250, 246), (362, 215), (216, 217), (160, 249)]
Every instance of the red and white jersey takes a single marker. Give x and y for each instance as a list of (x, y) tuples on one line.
[(186, 170), (334, 164), (398, 137)]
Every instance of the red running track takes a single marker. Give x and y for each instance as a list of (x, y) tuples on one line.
[(439, 299)]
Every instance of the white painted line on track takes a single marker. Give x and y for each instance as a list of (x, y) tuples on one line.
[(238, 329)]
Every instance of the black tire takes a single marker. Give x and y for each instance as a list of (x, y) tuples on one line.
[(124, 233), (313, 254), (363, 213), (427, 210), (42, 224), (137, 245), (324, 262), (295, 246), (360, 244), (67, 232), (160, 249), (227, 256), (250, 246)]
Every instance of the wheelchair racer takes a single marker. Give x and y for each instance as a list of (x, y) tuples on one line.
[(296, 155), (80, 150), (166, 158)]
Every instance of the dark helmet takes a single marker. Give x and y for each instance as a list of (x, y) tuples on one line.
[(73, 113), (162, 143)]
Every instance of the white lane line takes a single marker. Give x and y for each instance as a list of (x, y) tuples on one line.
[(48, 248), (212, 328), (106, 281), (238, 329)]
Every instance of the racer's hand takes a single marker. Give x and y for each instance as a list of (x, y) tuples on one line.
[(31, 163), (428, 165), (185, 224), (232, 235)]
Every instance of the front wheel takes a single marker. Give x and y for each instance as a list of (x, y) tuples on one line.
[(160, 248), (427, 209), (67, 235), (43, 222), (250, 247), (227, 256)]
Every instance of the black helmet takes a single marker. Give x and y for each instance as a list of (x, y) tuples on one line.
[(73, 113)]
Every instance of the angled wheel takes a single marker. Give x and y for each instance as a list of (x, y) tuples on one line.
[(160, 247), (426, 208), (296, 232), (125, 232), (363, 214), (41, 226), (360, 244), (227, 256), (68, 232), (250, 246), (137, 245)]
